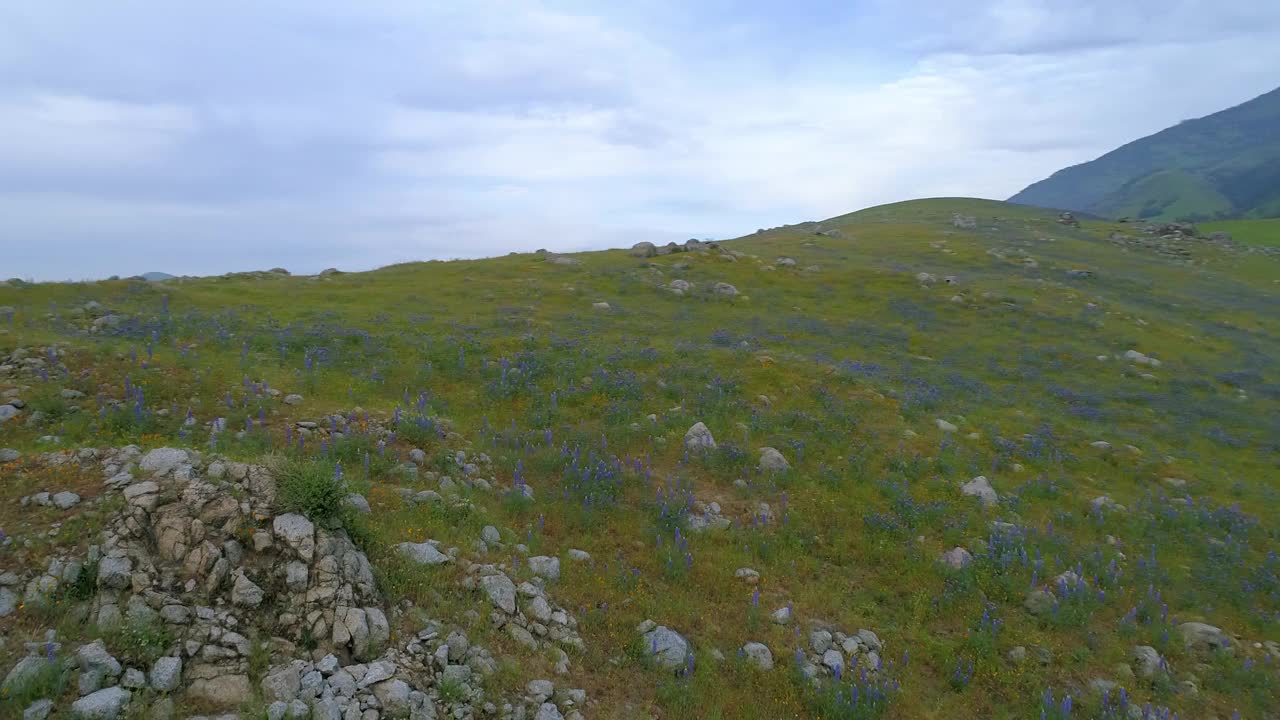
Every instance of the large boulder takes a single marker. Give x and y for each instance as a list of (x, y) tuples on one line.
[(643, 250)]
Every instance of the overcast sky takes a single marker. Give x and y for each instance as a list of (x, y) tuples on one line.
[(201, 137)]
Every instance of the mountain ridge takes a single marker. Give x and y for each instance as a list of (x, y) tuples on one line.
[(1224, 165)]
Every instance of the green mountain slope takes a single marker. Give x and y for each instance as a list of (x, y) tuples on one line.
[(1220, 166), (891, 356)]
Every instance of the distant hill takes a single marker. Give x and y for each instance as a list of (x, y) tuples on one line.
[(1225, 165), (157, 276)]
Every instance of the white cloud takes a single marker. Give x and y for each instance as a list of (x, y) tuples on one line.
[(312, 134), (53, 132)]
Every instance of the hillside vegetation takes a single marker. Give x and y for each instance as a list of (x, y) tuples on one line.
[(1018, 469), (1225, 165)]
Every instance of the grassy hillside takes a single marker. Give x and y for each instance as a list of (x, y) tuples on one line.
[(897, 358), (1264, 233), (1220, 166)]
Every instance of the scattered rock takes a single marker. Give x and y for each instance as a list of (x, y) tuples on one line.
[(1147, 661), (165, 674), (298, 533), (106, 704), (545, 567), (758, 655), (1040, 602), (957, 557), (65, 500), (643, 250), (162, 461), (423, 553), (980, 488), (666, 647), (699, 438), (1201, 637), (293, 399), (501, 592), (772, 461)]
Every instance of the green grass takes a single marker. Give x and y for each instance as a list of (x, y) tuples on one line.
[(1264, 233), (858, 360)]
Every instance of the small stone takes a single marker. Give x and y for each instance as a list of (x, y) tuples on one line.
[(820, 641), (980, 488), (1040, 602), (423, 553), (957, 558), (666, 647), (244, 592), (545, 567), (833, 660), (782, 615), (1199, 636), (758, 655), (772, 461), (540, 690), (166, 672), (699, 438), (501, 592), (38, 710), (293, 399), (65, 500), (298, 533), (548, 711), (162, 461), (133, 679), (107, 704), (357, 502), (945, 426)]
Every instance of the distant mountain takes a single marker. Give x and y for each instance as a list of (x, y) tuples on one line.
[(157, 276), (1225, 165)]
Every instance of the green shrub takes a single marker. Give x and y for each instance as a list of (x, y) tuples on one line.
[(138, 643), (315, 489)]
